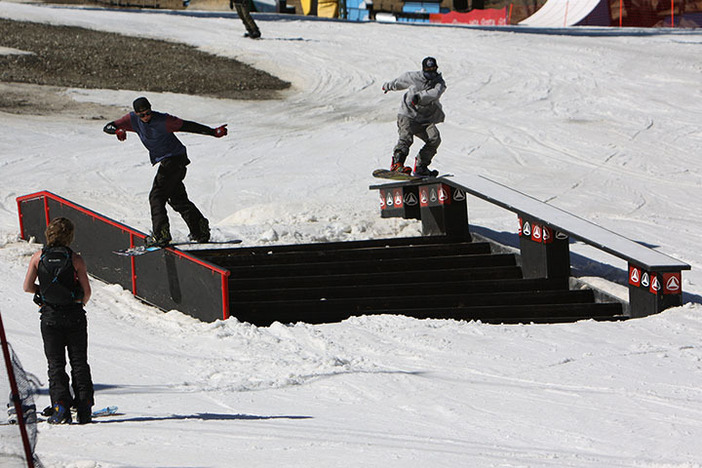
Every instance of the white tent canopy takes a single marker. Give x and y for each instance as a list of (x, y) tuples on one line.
[(562, 13)]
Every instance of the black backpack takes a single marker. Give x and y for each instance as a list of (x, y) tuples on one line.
[(58, 281)]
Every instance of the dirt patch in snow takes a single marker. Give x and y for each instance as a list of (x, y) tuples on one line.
[(39, 61)]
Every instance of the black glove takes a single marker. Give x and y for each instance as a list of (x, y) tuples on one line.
[(37, 299), (415, 100), (110, 128)]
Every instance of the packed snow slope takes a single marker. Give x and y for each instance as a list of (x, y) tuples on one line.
[(606, 126)]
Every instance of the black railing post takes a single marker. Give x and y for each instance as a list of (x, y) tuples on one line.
[(545, 253), (652, 292), (444, 211)]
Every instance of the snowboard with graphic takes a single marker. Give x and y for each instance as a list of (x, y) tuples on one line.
[(30, 415), (400, 176), (142, 249)]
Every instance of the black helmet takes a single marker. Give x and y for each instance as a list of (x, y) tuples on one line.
[(141, 104), (429, 64)]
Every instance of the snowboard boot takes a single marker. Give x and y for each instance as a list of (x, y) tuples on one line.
[(203, 233), (152, 241), (159, 239), (60, 415), (421, 170), (84, 415), (398, 166)]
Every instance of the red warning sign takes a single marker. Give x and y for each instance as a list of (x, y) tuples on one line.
[(634, 276), (444, 194), (672, 283), (537, 232), (424, 196), (399, 200), (433, 195)]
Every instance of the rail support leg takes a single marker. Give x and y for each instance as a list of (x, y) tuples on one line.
[(443, 210), (653, 292), (545, 253)]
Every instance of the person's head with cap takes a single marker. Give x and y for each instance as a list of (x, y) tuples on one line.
[(430, 68), (142, 108)]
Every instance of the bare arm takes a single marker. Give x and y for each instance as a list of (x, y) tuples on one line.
[(30, 280)]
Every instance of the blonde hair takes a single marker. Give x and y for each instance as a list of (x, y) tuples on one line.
[(59, 232)]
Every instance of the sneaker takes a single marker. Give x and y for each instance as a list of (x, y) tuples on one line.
[(424, 171), (398, 167), (60, 415)]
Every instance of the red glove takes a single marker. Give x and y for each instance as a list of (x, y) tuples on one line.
[(121, 134), (220, 131)]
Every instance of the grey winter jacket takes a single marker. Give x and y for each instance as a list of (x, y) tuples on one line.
[(428, 109)]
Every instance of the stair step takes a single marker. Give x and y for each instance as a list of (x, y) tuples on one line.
[(403, 289), (240, 282), (533, 313), (341, 245), (374, 265), (343, 255), (360, 305)]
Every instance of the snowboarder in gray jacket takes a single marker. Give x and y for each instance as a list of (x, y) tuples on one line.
[(419, 113)]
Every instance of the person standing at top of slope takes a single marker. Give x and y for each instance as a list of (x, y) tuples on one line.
[(243, 9), (419, 113), (156, 132)]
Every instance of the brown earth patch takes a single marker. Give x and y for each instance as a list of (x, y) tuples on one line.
[(70, 57)]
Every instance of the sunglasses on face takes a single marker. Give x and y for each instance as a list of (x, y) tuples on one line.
[(145, 113)]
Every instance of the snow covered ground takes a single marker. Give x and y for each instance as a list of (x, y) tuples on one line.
[(606, 126)]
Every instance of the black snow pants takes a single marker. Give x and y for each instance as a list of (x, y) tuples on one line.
[(168, 187), (243, 10), (65, 329)]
